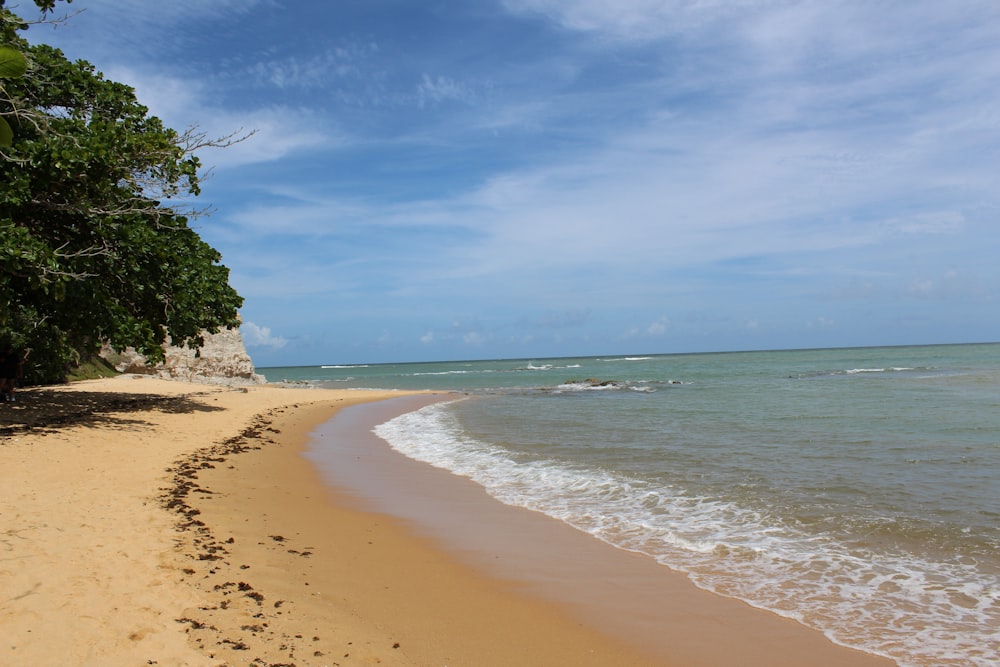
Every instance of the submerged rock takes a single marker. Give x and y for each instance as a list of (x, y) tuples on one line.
[(592, 382)]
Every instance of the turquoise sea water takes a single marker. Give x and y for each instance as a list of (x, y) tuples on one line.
[(856, 490)]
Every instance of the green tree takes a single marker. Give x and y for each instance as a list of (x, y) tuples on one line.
[(89, 251)]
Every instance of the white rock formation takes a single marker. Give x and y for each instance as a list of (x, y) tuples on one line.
[(223, 359)]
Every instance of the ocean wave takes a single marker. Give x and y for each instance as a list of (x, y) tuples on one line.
[(545, 367), (592, 384), (531, 367), (906, 370), (474, 372), (852, 371), (890, 603)]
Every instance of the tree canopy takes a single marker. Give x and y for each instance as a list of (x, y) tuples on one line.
[(89, 250)]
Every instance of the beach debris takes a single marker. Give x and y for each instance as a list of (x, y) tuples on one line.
[(179, 497), (195, 625)]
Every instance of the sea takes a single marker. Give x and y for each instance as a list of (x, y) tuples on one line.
[(855, 490)]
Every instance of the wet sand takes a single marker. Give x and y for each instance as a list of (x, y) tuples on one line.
[(152, 522), (631, 597)]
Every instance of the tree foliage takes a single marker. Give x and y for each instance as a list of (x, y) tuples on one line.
[(89, 251)]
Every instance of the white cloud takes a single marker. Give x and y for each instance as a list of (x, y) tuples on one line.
[(657, 149), (435, 90), (277, 132), (951, 285), (658, 328), (930, 222), (258, 336), (630, 19), (820, 323), (156, 16), (474, 338), (183, 103), (100, 30), (316, 70)]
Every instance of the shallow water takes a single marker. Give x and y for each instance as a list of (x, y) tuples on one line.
[(855, 490)]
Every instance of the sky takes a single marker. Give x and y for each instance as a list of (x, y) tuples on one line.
[(479, 179)]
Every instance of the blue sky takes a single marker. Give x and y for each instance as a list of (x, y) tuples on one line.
[(444, 179)]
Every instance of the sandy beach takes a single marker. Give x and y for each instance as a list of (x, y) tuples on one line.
[(152, 522)]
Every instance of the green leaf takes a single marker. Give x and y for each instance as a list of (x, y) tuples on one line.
[(72, 274), (6, 134), (12, 63)]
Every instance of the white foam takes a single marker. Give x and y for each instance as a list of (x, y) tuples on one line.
[(475, 372), (915, 611)]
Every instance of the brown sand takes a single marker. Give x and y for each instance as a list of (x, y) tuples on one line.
[(152, 522), (629, 595)]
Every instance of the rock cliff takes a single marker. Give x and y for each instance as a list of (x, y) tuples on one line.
[(223, 359)]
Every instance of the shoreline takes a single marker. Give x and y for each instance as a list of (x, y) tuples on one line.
[(648, 606), (338, 584), (274, 565), (147, 521)]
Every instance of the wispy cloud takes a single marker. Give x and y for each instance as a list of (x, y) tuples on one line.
[(438, 89), (750, 167), (631, 19), (347, 62), (271, 132), (928, 222)]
